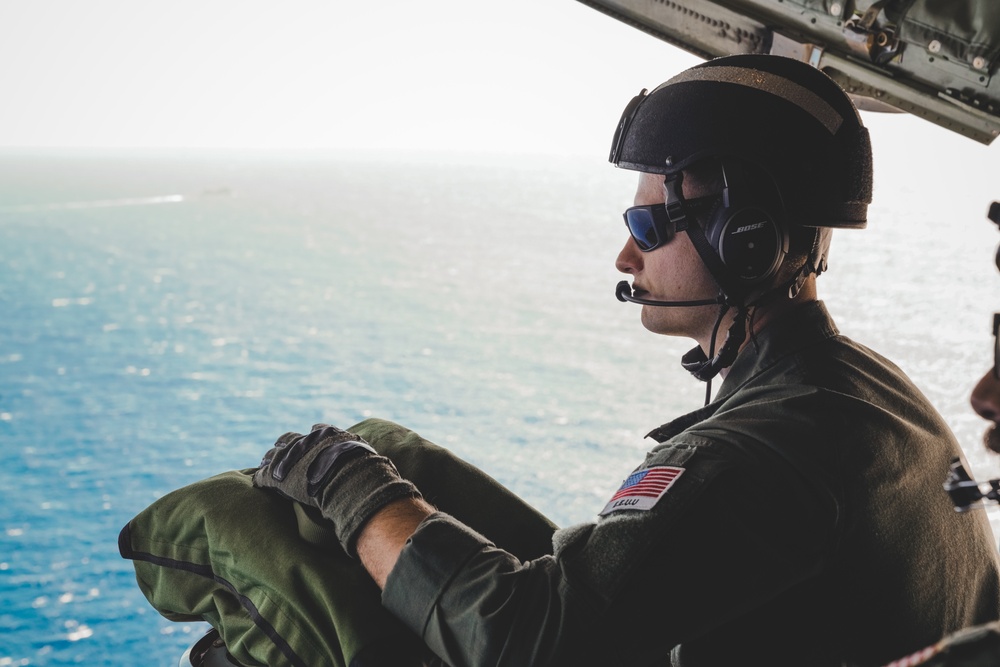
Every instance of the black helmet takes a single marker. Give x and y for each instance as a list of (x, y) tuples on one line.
[(778, 114)]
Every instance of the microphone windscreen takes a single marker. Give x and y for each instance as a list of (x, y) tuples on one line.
[(623, 289)]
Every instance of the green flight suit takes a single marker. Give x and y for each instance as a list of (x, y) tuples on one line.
[(799, 519), (270, 576)]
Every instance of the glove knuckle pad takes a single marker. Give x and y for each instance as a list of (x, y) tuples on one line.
[(325, 464)]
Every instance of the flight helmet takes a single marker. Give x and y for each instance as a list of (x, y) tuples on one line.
[(777, 114)]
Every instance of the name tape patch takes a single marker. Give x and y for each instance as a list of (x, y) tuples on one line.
[(643, 489)]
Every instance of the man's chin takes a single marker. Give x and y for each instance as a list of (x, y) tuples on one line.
[(992, 439), (654, 321)]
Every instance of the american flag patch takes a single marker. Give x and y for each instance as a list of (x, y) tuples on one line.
[(643, 489)]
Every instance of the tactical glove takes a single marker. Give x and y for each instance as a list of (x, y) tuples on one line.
[(338, 473)]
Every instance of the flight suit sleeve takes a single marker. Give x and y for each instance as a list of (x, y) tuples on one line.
[(715, 541)]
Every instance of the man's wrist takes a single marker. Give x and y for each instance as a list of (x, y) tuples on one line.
[(359, 491), (383, 537)]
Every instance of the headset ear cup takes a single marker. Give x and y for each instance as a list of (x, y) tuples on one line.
[(752, 245), (745, 230)]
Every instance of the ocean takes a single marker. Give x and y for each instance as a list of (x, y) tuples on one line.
[(167, 315)]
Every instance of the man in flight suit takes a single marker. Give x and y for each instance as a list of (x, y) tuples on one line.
[(796, 519)]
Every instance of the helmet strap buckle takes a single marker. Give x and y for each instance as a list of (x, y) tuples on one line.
[(674, 200)]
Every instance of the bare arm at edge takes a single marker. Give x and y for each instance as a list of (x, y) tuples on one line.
[(384, 536)]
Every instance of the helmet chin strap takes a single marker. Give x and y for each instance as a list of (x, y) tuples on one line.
[(706, 367), (702, 366), (735, 295)]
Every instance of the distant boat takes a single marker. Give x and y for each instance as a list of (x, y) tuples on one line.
[(217, 192)]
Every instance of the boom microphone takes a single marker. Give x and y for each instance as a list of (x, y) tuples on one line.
[(624, 293)]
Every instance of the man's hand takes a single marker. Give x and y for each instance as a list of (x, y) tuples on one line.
[(299, 466), (337, 472)]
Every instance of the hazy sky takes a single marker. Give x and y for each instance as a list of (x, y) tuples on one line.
[(546, 76), (517, 75)]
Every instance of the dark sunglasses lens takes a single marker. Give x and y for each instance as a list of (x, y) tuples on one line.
[(642, 228)]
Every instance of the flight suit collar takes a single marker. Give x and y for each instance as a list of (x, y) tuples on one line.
[(797, 329)]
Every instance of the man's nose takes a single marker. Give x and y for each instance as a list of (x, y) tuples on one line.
[(986, 397), (630, 258)]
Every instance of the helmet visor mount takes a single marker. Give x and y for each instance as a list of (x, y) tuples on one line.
[(623, 126)]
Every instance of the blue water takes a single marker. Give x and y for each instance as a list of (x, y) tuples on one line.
[(166, 316)]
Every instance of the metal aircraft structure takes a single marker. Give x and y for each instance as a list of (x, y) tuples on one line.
[(936, 59)]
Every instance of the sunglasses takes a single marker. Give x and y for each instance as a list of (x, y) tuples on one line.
[(651, 226)]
